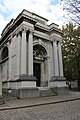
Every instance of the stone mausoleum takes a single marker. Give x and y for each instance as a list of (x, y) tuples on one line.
[(31, 57)]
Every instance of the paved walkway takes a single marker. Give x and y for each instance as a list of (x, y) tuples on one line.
[(24, 103)]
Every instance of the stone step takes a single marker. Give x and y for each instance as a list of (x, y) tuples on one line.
[(45, 91)]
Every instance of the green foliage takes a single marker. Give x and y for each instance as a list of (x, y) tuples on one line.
[(71, 51)]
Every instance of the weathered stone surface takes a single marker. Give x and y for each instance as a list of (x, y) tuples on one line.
[(28, 93), (34, 56), (2, 101)]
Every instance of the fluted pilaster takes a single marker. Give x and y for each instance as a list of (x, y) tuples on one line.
[(24, 52), (60, 60), (55, 59), (10, 55), (30, 53), (18, 53)]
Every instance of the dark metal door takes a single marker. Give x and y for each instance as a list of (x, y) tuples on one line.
[(37, 73)]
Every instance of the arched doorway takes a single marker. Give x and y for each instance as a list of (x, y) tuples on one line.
[(39, 56)]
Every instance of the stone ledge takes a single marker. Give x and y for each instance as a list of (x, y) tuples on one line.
[(23, 78), (28, 77), (57, 78)]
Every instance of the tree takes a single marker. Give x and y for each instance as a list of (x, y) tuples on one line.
[(71, 51), (72, 7)]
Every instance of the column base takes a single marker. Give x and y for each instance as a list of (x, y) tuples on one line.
[(28, 93), (44, 84), (24, 87), (20, 82), (28, 81), (58, 84)]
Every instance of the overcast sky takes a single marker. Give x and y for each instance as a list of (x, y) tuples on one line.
[(49, 9)]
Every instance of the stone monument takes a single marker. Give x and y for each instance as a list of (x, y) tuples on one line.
[(31, 57)]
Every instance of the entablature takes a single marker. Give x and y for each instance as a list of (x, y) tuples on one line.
[(32, 21)]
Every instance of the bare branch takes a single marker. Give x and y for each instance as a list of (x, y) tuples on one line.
[(72, 7)]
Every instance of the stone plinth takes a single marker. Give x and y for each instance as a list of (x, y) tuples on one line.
[(1, 97), (24, 87), (28, 93), (58, 84)]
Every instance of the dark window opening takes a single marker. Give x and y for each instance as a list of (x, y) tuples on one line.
[(4, 53)]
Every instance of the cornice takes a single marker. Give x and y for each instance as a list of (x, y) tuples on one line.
[(27, 16), (41, 35), (20, 18), (45, 28)]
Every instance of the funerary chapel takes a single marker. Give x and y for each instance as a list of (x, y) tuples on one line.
[(31, 57)]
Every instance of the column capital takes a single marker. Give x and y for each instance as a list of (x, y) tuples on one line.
[(59, 43), (15, 34), (9, 41), (24, 29), (54, 38), (30, 31), (18, 33), (55, 42)]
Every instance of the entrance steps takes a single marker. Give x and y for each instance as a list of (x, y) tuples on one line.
[(46, 91)]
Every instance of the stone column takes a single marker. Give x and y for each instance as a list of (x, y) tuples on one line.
[(10, 55), (56, 66), (18, 54), (23, 52), (58, 82), (46, 72), (42, 74), (60, 60), (30, 54)]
